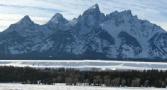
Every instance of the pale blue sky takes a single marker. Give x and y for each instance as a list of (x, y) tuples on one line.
[(41, 11)]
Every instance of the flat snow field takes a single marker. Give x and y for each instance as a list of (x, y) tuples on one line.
[(64, 87), (86, 64)]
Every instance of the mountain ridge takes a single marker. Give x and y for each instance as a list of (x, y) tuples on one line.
[(93, 35)]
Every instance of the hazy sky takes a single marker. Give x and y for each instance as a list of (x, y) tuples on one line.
[(41, 11)]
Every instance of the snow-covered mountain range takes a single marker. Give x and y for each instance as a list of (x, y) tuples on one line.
[(93, 35)]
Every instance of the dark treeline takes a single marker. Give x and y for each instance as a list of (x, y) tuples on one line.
[(26, 75)]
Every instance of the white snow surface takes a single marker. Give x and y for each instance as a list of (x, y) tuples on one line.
[(12, 86), (87, 64)]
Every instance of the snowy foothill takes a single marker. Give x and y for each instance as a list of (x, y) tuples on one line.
[(11, 86)]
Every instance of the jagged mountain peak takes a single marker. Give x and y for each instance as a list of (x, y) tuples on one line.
[(26, 17), (58, 15), (92, 10), (95, 6), (26, 20), (24, 24), (91, 17), (126, 12), (120, 14), (57, 18)]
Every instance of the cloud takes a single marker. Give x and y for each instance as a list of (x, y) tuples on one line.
[(30, 7)]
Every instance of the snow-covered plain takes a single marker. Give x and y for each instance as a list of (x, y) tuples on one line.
[(86, 64), (64, 87)]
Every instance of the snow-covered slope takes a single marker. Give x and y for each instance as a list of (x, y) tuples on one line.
[(93, 35)]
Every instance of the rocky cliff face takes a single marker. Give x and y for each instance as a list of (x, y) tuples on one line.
[(93, 35)]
